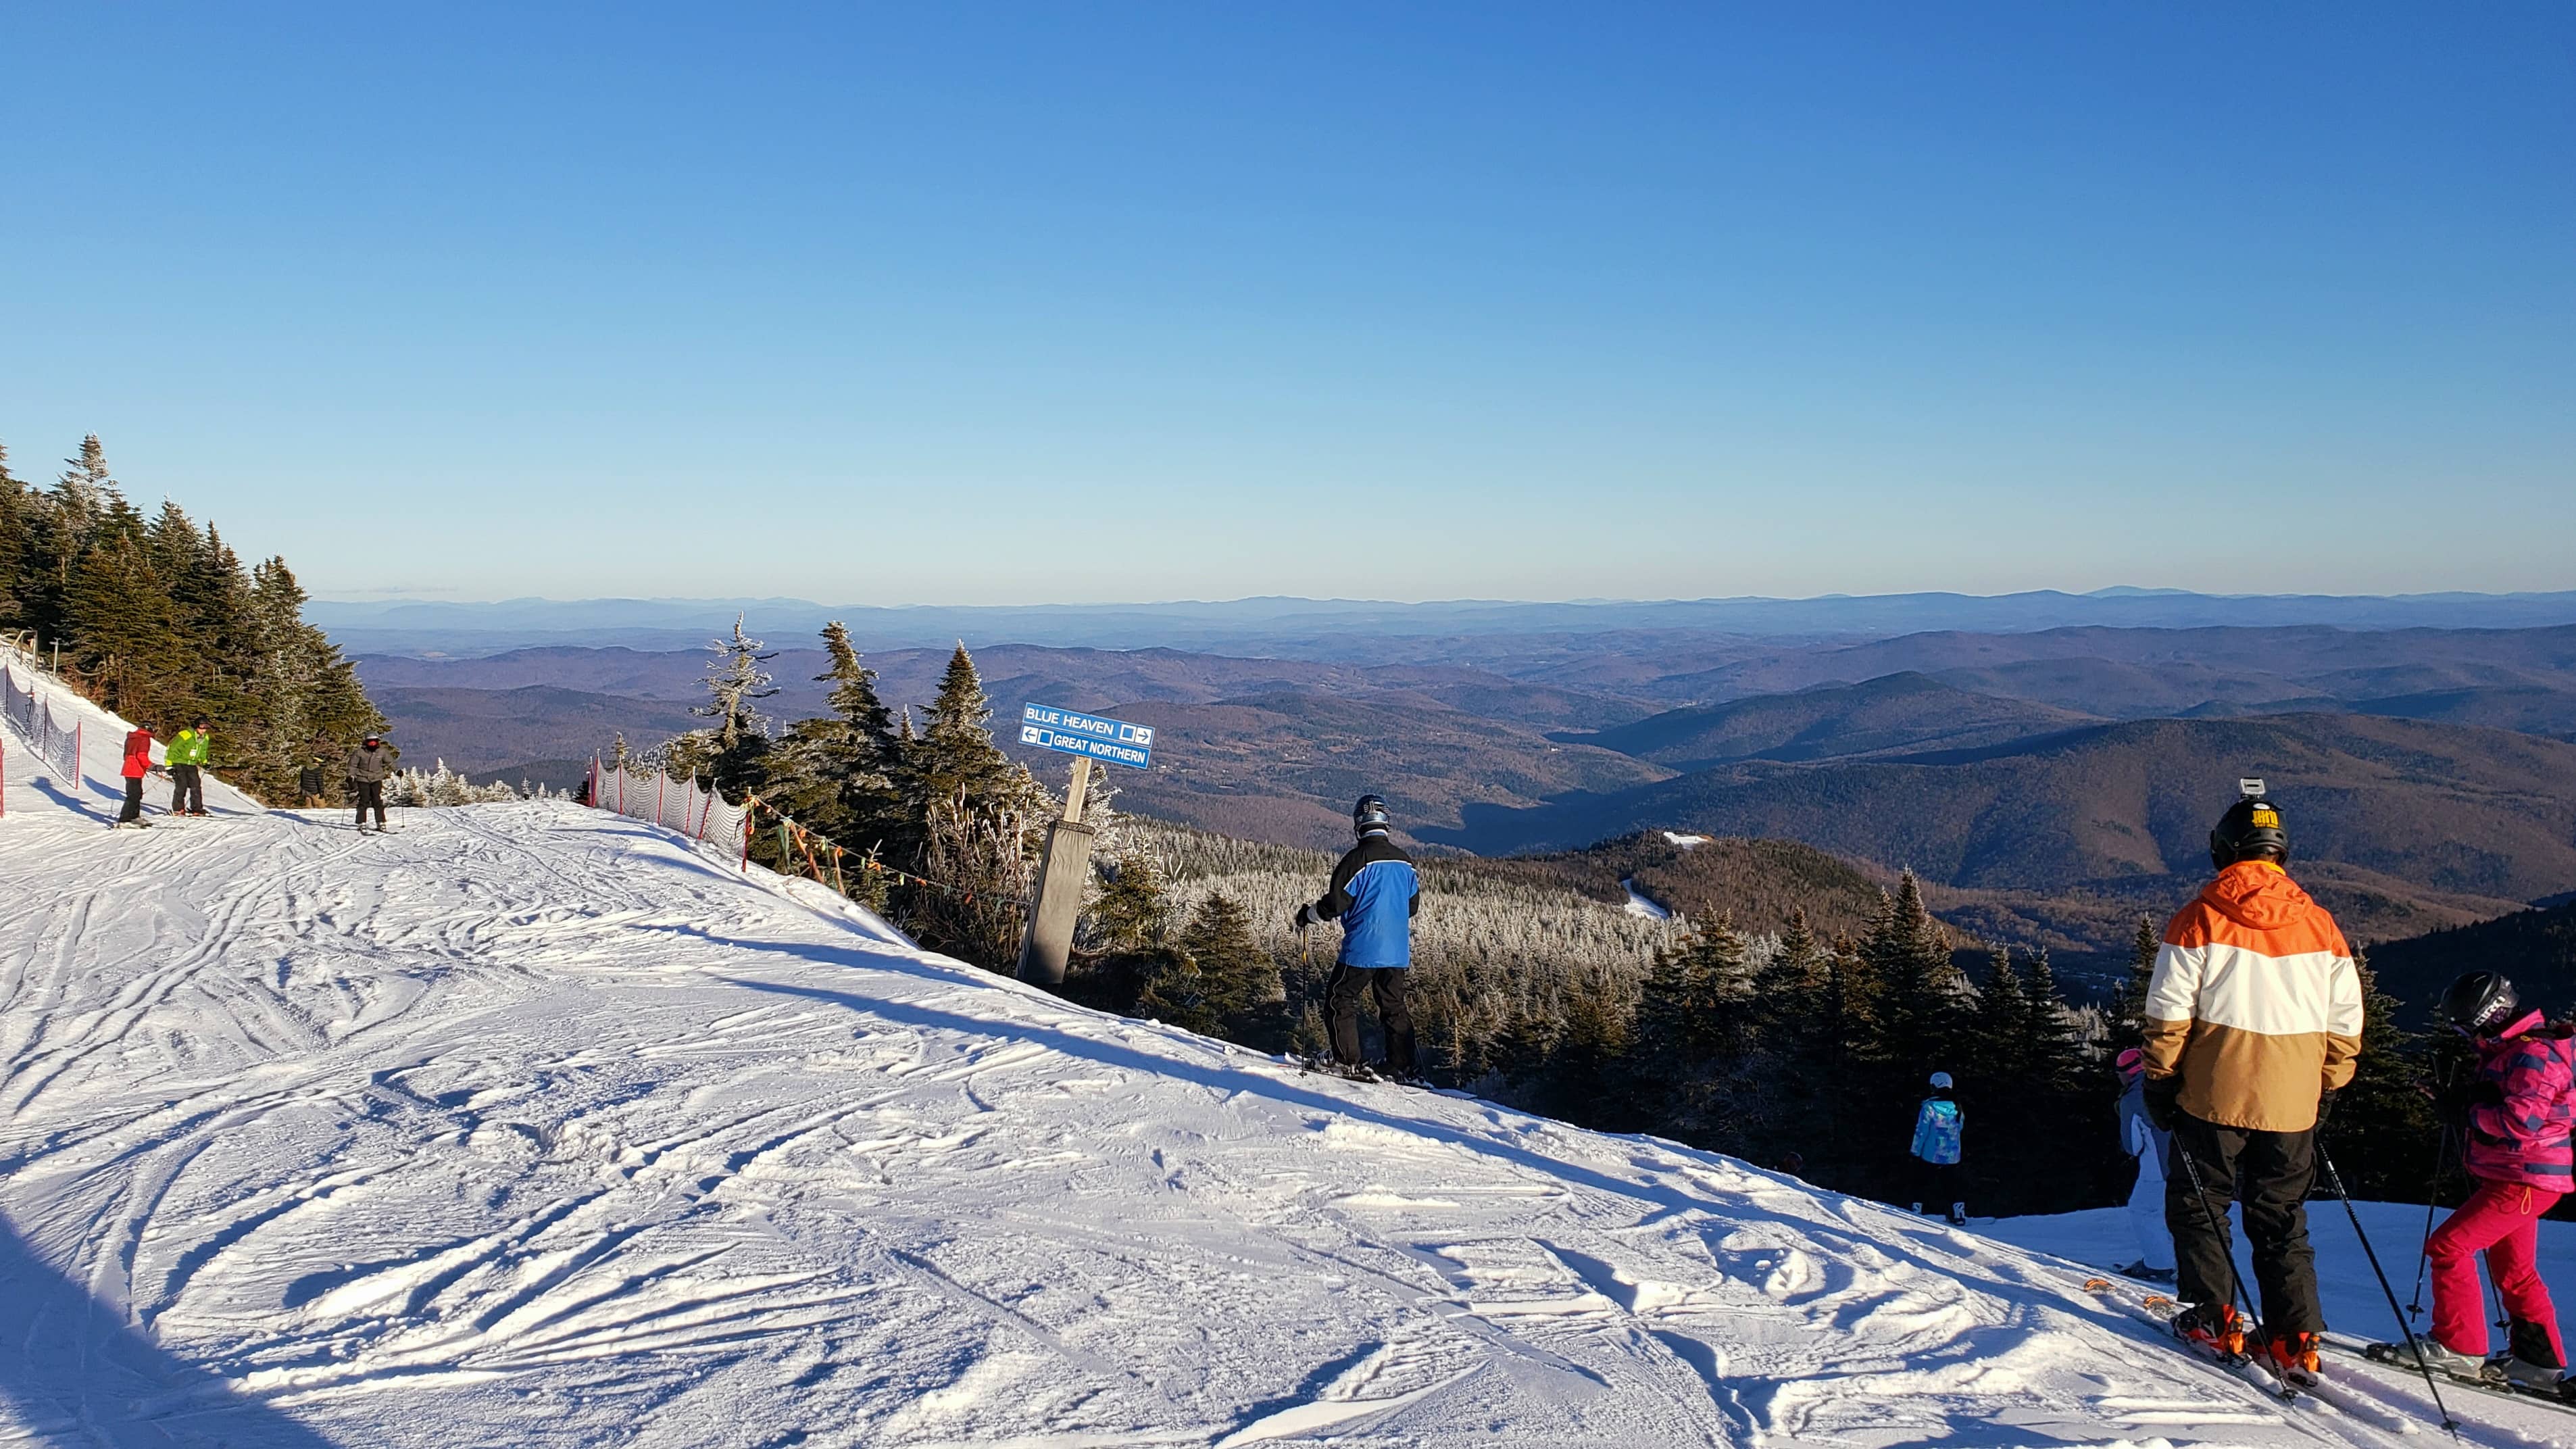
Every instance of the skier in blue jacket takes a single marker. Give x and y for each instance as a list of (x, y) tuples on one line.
[(1936, 1147), (1374, 895)]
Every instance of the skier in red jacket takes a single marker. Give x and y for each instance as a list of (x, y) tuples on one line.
[(138, 763)]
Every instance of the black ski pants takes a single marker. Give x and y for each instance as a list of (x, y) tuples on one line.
[(2270, 1172), (187, 790), (133, 810), (1938, 1182), (371, 796), (1342, 994)]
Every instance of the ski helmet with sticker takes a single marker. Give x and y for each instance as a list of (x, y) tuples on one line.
[(2250, 825), (2480, 1002)]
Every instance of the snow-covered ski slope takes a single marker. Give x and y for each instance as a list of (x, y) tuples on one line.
[(100, 791), (533, 1126)]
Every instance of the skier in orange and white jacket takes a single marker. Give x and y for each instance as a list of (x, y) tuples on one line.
[(2252, 1023)]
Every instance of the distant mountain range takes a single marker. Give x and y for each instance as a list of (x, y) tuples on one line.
[(2050, 785), (1349, 629)]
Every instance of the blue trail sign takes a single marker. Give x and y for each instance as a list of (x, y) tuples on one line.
[(1088, 735)]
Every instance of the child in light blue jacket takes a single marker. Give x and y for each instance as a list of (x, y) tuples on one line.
[(1936, 1148)]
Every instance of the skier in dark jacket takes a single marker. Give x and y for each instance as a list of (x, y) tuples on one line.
[(369, 763), (1375, 894), (315, 777)]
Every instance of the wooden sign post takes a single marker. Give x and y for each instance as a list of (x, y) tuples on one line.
[(1064, 867)]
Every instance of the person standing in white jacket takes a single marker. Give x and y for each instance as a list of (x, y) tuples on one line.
[(2147, 1144)]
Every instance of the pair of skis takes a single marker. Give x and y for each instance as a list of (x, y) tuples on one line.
[(2157, 1310), (2396, 1356)]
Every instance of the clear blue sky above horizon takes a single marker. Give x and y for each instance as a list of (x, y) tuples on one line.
[(1027, 304)]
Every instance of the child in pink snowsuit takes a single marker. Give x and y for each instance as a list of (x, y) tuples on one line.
[(2521, 1112)]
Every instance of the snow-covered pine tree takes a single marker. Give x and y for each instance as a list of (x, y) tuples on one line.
[(954, 763), (1128, 909), (835, 772), (732, 752), (86, 488)]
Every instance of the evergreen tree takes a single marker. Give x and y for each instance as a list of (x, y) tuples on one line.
[(1585, 1078), (127, 639), (1692, 1037), (1130, 910), (2003, 1010), (1794, 1039), (2382, 1131), (1236, 981), (954, 761), (734, 750), (2129, 998), (835, 773), (17, 544), (1924, 1005), (87, 489), (159, 619)]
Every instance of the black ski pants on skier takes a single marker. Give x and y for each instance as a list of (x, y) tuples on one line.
[(1342, 1005), (371, 796), (187, 790), (2271, 1172), (133, 810)]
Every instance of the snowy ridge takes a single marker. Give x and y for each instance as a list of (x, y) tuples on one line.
[(533, 1125)]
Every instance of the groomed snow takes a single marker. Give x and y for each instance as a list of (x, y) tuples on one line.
[(1641, 904), (531, 1126)]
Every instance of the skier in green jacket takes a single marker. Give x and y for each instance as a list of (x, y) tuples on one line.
[(186, 758)]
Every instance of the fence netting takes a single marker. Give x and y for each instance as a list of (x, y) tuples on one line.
[(681, 805), (55, 740)]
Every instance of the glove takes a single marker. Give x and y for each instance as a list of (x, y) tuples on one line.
[(1304, 917), (2325, 1105), (2164, 1100)]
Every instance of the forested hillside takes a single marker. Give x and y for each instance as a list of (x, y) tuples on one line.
[(159, 620)]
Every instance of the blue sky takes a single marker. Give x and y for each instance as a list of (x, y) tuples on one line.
[(998, 304)]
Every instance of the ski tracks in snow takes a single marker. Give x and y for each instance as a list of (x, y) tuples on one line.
[(531, 1125)]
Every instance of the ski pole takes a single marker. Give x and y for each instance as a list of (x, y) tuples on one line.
[(2218, 1230), (2432, 1190), (2334, 1179)]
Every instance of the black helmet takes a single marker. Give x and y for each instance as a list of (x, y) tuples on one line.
[(2480, 1002), (1369, 817), (2250, 825)]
